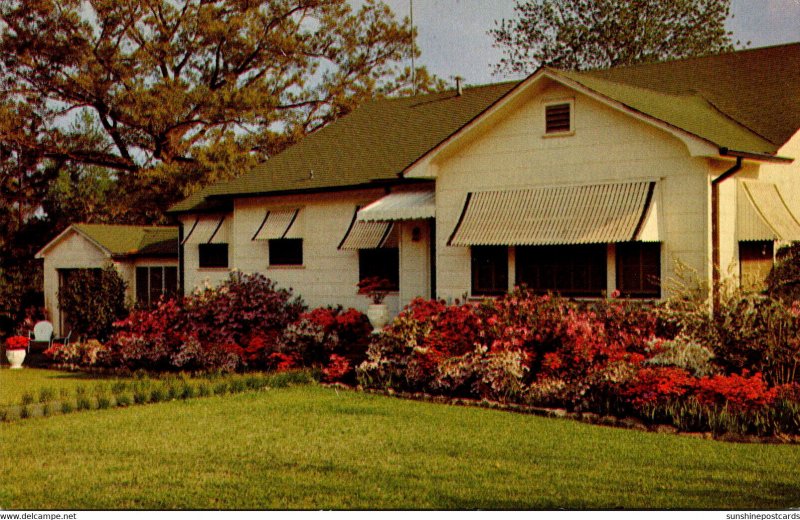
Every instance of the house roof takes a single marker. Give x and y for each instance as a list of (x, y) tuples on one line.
[(747, 101), (757, 88), (375, 142), (119, 240)]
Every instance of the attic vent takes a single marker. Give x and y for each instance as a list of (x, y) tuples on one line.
[(558, 118)]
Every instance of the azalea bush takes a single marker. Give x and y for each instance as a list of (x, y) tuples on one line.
[(90, 353), (609, 357), (330, 338), (243, 324), (235, 324)]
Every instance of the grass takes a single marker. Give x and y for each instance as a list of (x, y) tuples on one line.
[(16, 384), (309, 447)]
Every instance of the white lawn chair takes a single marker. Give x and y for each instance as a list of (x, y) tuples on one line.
[(42, 335)]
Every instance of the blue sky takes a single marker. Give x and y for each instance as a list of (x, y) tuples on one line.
[(453, 39)]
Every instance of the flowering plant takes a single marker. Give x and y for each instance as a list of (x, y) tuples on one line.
[(17, 343), (375, 287)]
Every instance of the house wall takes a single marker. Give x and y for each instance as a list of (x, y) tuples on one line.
[(328, 276), (194, 276), (607, 146), (786, 176), (415, 278)]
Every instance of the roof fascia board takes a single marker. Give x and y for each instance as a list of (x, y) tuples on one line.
[(425, 166), (378, 183), (61, 236)]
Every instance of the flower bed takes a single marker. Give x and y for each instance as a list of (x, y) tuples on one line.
[(607, 358), (246, 323)]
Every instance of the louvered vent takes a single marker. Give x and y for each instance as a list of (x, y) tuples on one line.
[(557, 118)]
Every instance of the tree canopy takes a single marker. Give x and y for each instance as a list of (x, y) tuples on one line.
[(586, 34), (110, 111), (170, 94)]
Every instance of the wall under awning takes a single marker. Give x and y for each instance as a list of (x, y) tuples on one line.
[(762, 214), (582, 214)]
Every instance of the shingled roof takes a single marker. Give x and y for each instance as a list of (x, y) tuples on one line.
[(747, 101), (123, 241), (375, 142)]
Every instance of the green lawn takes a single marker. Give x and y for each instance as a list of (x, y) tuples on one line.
[(15, 383), (316, 448)]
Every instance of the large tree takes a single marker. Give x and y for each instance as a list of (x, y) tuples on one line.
[(171, 94), (112, 110), (585, 34)]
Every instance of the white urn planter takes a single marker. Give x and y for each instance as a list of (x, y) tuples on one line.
[(15, 357), (378, 315)]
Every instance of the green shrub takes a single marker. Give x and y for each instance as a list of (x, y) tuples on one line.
[(67, 407), (27, 398), (686, 353), (123, 399), (24, 412), (46, 395), (783, 281), (83, 403), (94, 299), (157, 394)]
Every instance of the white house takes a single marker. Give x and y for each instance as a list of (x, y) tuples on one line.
[(580, 183), (146, 258)]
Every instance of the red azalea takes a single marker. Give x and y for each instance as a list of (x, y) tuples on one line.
[(17, 343)]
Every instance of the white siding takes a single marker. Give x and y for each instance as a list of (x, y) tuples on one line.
[(607, 146), (328, 276)]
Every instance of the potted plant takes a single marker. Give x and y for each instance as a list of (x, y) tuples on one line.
[(15, 350), (376, 289)]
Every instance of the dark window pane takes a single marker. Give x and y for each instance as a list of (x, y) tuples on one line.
[(573, 270), (639, 269), (170, 281), (142, 287), (213, 255), (286, 251), (489, 270), (383, 263), (156, 284)]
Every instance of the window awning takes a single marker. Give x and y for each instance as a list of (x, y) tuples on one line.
[(404, 205), (586, 214), (762, 214), (276, 224), (208, 230), (368, 235)]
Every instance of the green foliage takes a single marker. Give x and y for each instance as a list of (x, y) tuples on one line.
[(683, 352), (586, 34), (27, 398), (187, 92), (783, 281), (93, 300), (46, 395)]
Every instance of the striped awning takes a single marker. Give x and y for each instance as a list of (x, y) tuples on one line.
[(762, 214), (368, 235), (404, 205), (208, 230), (585, 214), (276, 224)]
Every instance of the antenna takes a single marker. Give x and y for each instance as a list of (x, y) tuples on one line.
[(413, 67)]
